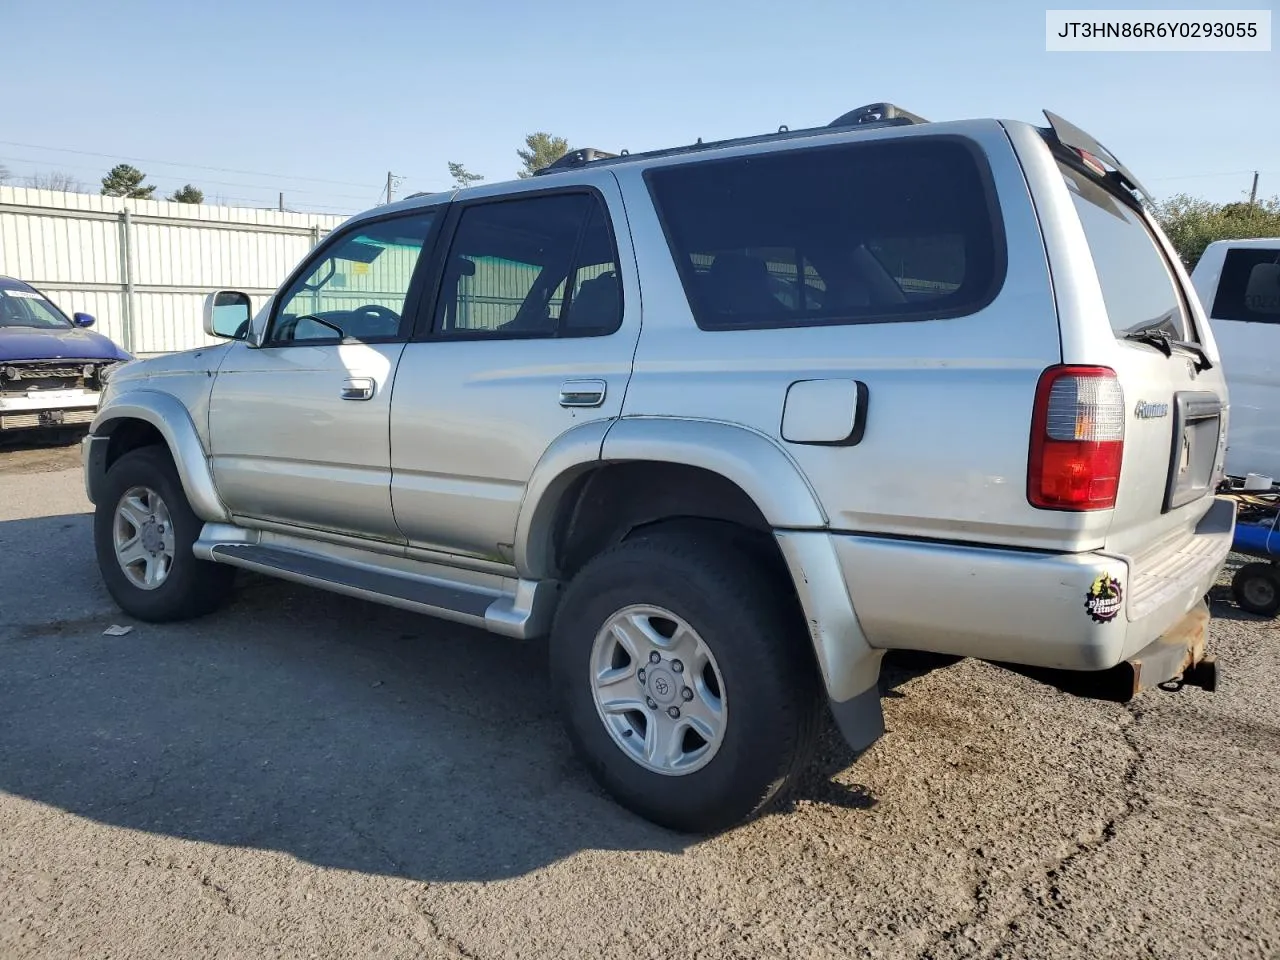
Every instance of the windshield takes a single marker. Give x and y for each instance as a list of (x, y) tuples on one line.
[(23, 308)]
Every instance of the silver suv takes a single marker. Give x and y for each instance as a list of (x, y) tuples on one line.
[(727, 421)]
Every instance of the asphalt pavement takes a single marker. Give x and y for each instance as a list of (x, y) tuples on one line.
[(306, 775)]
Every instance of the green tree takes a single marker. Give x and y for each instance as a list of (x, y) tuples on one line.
[(541, 150), (1193, 223), (462, 177), (123, 180), (188, 194)]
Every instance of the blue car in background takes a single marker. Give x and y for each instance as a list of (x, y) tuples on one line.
[(51, 367)]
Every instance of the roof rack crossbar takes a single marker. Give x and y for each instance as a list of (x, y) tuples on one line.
[(575, 158), (887, 113)]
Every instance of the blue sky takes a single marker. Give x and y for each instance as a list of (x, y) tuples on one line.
[(344, 92)]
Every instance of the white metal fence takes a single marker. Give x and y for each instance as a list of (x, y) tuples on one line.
[(143, 267)]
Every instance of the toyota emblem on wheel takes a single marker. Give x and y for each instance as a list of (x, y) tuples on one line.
[(660, 686)]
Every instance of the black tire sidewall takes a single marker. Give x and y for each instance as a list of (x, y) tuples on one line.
[(1256, 571)]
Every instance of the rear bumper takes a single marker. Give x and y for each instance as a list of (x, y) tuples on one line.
[(1087, 611)]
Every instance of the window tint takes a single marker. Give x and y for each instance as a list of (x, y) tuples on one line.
[(1137, 285), (1249, 288), (538, 266), (358, 284), (850, 234), (21, 308)]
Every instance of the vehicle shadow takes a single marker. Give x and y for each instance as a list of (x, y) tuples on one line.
[(41, 439), (344, 733)]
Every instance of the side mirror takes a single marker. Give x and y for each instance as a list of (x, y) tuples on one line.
[(83, 320), (227, 314)]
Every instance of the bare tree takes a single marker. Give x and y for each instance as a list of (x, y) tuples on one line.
[(4, 173), (56, 180)]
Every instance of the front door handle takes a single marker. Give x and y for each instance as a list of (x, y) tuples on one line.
[(357, 388), (582, 393)]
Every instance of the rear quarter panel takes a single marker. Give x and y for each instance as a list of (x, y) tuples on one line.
[(948, 401)]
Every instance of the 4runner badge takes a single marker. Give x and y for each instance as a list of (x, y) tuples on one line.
[(1149, 411), (1103, 599)]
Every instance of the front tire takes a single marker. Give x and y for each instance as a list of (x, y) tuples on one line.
[(143, 529), (685, 679)]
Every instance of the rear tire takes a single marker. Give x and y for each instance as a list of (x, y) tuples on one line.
[(747, 706), (143, 529), (1256, 588)]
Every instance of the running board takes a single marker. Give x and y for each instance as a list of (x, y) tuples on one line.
[(518, 608)]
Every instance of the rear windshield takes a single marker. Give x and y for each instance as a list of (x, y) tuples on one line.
[(899, 230), (1137, 285), (1249, 288)]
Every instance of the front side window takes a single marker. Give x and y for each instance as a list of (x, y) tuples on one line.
[(1249, 288), (357, 287), (540, 266), (22, 308), (858, 233), (1137, 285)]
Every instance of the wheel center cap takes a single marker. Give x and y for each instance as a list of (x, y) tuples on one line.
[(152, 541), (662, 685)]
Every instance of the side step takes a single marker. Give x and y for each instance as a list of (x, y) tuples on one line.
[(520, 608)]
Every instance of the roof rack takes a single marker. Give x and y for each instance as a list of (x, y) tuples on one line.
[(576, 158), (871, 115)]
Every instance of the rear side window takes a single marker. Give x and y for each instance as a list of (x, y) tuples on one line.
[(538, 266), (870, 232), (1137, 285), (1249, 288)]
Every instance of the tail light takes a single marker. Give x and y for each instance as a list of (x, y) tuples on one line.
[(1077, 439)]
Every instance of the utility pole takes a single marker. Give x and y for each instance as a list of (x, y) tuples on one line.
[(1253, 193), (392, 181), (282, 201)]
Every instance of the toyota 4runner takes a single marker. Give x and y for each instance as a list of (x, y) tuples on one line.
[(726, 421)]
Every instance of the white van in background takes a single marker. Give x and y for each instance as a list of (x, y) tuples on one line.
[(1238, 282)]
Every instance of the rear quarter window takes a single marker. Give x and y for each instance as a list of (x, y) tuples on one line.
[(857, 233), (1137, 283), (1249, 287)]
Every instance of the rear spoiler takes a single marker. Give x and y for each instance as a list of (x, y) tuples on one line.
[(1069, 135)]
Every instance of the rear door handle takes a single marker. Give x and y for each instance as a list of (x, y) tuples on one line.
[(357, 388), (582, 393)]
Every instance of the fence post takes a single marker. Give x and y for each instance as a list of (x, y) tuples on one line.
[(126, 264), (315, 235)]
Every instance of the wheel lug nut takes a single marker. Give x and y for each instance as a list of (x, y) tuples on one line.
[(687, 694), (673, 713), (640, 674), (654, 656), (677, 666), (160, 529), (653, 704)]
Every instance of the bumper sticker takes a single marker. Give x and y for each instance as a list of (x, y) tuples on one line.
[(1103, 599)]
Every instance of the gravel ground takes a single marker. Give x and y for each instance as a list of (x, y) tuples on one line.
[(303, 775)]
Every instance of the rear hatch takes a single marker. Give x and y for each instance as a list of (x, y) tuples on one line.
[(1171, 403)]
